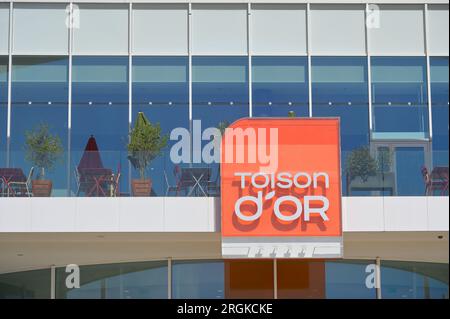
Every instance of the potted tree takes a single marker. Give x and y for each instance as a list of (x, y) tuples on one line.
[(146, 143), (360, 163), (364, 172), (292, 114), (43, 150)]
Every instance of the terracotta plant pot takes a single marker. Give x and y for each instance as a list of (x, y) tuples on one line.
[(141, 188), (42, 188)]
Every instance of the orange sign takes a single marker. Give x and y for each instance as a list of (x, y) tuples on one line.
[(281, 177)]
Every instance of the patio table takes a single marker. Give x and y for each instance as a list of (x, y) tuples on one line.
[(196, 178), (441, 173), (94, 181), (8, 176)]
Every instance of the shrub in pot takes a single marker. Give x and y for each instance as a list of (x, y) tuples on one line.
[(43, 150), (360, 163), (146, 143)]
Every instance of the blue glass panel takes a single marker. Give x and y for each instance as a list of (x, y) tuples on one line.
[(161, 91), (40, 96), (410, 280), (440, 100), (280, 85), (144, 280), (409, 162), (347, 280), (220, 89), (340, 89), (25, 285), (3, 108), (198, 280), (101, 109), (399, 89), (220, 94)]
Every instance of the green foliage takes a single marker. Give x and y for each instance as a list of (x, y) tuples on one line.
[(146, 143), (361, 163), (291, 114), (42, 148), (223, 126), (384, 159)]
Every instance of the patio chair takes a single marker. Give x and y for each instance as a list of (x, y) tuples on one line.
[(115, 185), (170, 188), (78, 181), (214, 186), (23, 188), (431, 185)]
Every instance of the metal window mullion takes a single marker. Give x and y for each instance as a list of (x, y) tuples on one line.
[(169, 278), (378, 277), (249, 51), (275, 278), (427, 53), (53, 282), (130, 65), (308, 50), (190, 77), (190, 61), (70, 25), (369, 70), (10, 49)]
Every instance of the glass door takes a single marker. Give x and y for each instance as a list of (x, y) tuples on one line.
[(401, 165)]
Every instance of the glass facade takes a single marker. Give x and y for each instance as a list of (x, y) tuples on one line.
[(235, 279), (439, 72), (280, 86), (146, 280), (340, 89), (161, 91), (112, 82), (39, 94), (404, 280), (219, 89), (32, 284), (198, 280), (100, 109), (399, 91), (3, 108)]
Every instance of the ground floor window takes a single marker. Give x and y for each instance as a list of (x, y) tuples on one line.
[(234, 279)]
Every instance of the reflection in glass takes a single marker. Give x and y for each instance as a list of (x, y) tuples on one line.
[(399, 91), (198, 280), (40, 96), (146, 280), (440, 99), (100, 108), (25, 285), (220, 89), (3, 108), (409, 280), (249, 279), (347, 280), (161, 91), (280, 85), (299, 279), (220, 97), (340, 89)]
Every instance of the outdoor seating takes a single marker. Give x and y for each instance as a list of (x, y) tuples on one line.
[(196, 180), (214, 186), (9, 177), (170, 188), (93, 179), (23, 188), (437, 180)]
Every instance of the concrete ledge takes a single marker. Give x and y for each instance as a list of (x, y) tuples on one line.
[(191, 214)]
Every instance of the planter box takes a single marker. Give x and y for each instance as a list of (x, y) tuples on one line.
[(42, 188)]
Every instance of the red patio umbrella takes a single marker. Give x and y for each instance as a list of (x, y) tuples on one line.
[(91, 156)]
